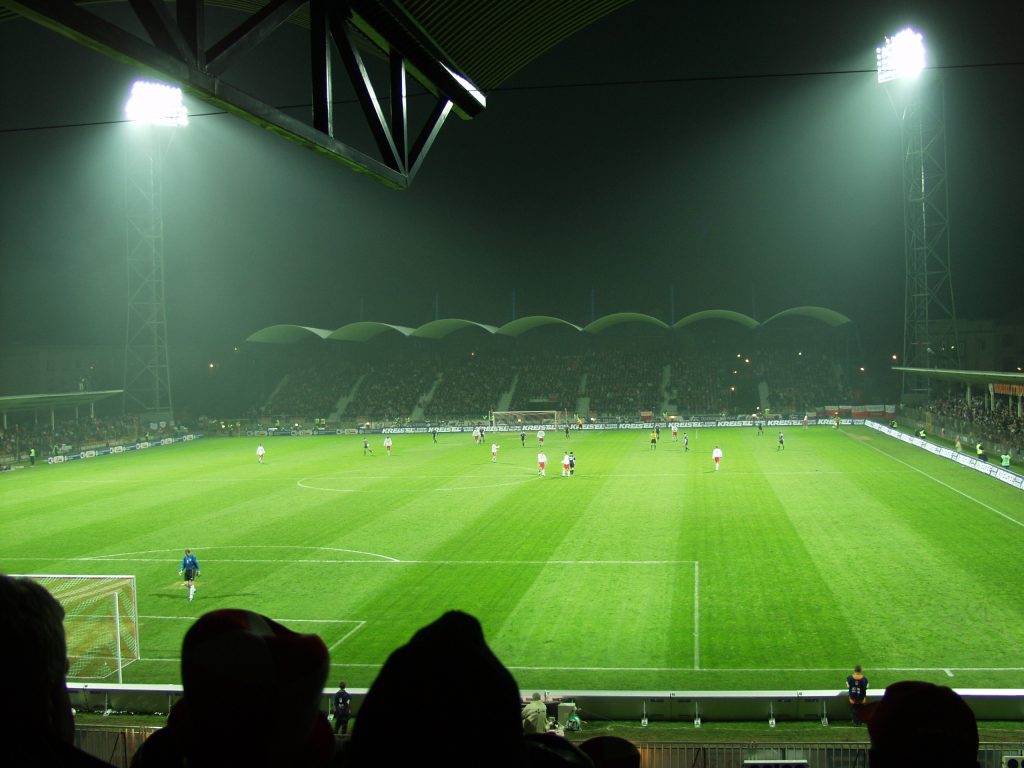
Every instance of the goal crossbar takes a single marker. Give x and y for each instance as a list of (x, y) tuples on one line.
[(526, 418)]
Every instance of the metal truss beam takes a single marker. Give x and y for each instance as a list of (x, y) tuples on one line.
[(930, 338), (178, 51)]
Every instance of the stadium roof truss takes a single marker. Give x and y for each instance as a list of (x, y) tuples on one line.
[(453, 49), (438, 329), (965, 377), (51, 402)]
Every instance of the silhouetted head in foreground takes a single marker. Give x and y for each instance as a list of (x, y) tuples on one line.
[(252, 697), (921, 724), (442, 698)]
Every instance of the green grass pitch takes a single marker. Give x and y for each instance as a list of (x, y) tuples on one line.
[(648, 570)]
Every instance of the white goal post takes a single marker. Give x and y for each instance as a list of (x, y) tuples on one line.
[(101, 621), (526, 419)]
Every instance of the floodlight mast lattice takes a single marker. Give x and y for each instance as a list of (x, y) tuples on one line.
[(930, 337), (151, 108)]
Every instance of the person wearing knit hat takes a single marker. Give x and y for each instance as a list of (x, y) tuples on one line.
[(454, 703), (921, 724), (252, 698)]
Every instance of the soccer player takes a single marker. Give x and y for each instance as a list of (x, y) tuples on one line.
[(857, 690), (654, 440), (189, 569), (717, 456), (805, 421), (522, 437), (494, 453), (657, 433), (366, 447), (760, 427), (540, 437), (686, 442), (567, 425), (835, 424), (476, 435), (572, 463), (260, 453), (435, 435), (387, 444), (782, 443), (542, 461), (565, 465), (675, 431)]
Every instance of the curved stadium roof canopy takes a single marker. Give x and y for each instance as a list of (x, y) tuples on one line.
[(438, 329)]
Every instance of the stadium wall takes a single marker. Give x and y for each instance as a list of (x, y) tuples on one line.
[(997, 704), (596, 426), (113, 449)]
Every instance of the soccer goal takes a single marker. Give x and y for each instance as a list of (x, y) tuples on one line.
[(101, 622), (526, 418)]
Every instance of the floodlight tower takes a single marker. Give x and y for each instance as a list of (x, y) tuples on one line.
[(151, 110), (929, 320)]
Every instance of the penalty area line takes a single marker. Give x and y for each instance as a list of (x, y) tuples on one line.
[(346, 636)]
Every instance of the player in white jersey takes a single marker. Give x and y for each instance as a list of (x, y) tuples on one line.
[(494, 453), (542, 461), (717, 456), (260, 453)]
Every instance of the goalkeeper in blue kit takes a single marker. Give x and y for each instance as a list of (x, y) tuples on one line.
[(189, 569)]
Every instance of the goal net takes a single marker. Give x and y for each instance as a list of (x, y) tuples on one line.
[(525, 419), (101, 622)]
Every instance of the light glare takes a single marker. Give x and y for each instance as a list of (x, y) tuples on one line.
[(156, 103), (900, 56)]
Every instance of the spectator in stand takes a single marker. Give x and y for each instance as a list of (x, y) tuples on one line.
[(535, 715), (921, 724), (611, 752), (252, 698), (36, 725), (473, 677)]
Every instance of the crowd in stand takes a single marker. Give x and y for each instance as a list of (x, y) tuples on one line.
[(699, 382), (623, 384), (618, 383), (799, 380), (547, 381), (68, 434), (313, 390), (390, 390), (998, 428), (469, 388)]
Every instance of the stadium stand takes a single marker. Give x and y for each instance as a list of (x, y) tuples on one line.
[(697, 374)]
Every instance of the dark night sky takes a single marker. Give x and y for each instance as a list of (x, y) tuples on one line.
[(585, 173)]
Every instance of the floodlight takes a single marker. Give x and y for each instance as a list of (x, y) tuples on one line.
[(157, 104), (900, 56)]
